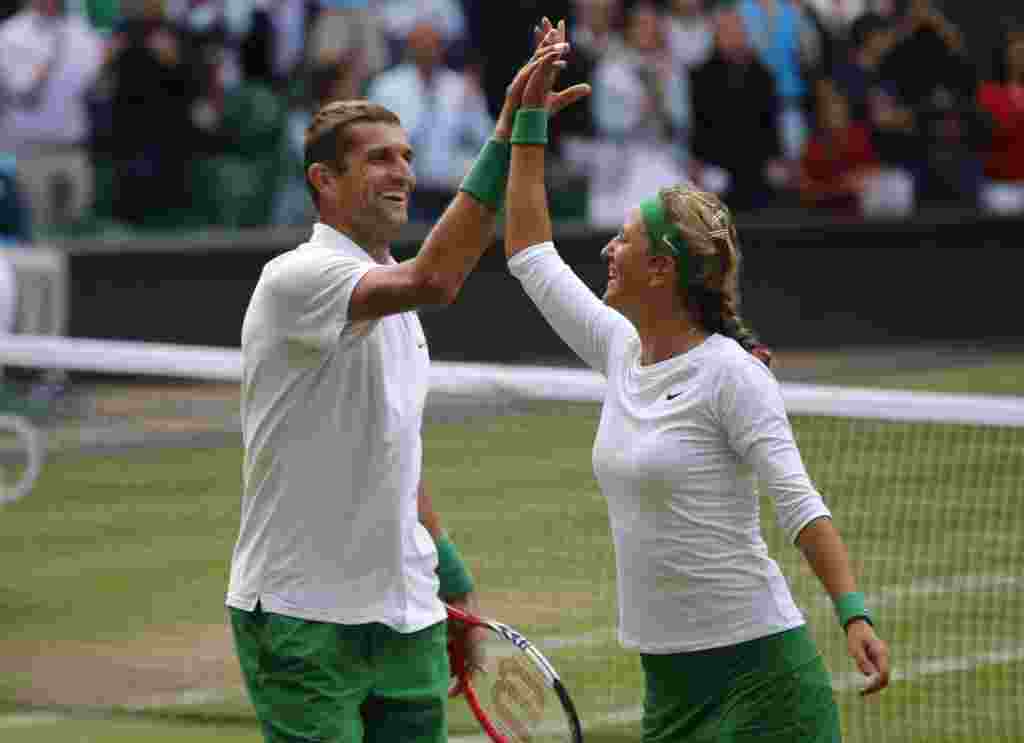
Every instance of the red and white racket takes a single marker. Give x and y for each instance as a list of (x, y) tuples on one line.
[(517, 697)]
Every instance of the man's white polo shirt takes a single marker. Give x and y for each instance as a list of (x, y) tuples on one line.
[(331, 418)]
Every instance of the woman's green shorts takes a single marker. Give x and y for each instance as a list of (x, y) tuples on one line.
[(774, 689), (335, 683)]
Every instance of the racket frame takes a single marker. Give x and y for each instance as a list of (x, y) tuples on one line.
[(519, 641)]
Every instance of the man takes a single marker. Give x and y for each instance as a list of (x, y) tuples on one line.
[(786, 42), (333, 599), (871, 36), (49, 60), (736, 140), (444, 110)]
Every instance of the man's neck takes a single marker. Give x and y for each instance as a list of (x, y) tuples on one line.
[(377, 246)]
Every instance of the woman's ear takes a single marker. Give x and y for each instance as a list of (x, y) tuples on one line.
[(662, 271)]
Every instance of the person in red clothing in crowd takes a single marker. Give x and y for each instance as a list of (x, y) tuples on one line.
[(1003, 99), (839, 160)]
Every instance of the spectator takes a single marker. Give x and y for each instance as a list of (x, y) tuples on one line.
[(242, 181), (14, 217), (350, 29), (784, 38), (642, 112), (821, 41), (278, 26), (444, 111), (157, 78), (839, 15), (1003, 98), (594, 36), (595, 33), (400, 16), (839, 161), (49, 60), (870, 38), (338, 79), (927, 58), (689, 32), (736, 139), (924, 109)]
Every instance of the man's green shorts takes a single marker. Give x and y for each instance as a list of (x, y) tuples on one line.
[(774, 689), (333, 683)]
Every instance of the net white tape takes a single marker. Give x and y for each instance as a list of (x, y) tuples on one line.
[(493, 381)]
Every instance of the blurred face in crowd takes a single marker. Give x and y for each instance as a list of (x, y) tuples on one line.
[(425, 45), (834, 111), (596, 15), (51, 8), (643, 31), (1015, 59), (687, 8), (731, 37), (370, 192), (877, 43)]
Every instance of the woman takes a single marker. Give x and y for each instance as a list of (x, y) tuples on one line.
[(839, 162), (688, 419), (1003, 99)]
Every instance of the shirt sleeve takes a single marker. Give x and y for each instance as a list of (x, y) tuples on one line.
[(749, 405), (582, 320), (310, 295)]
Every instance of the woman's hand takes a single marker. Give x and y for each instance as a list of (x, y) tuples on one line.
[(870, 654), (550, 41), (539, 89)]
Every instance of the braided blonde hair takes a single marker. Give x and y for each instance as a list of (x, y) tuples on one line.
[(711, 289)]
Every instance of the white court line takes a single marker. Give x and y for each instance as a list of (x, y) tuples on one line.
[(948, 584), (936, 587), (29, 719)]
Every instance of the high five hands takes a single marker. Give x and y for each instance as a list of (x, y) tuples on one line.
[(533, 85)]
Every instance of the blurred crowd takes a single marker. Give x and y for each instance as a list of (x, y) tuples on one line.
[(127, 115)]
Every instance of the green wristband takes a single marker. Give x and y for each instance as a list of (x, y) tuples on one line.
[(851, 606), (455, 578), (487, 178), (530, 126)]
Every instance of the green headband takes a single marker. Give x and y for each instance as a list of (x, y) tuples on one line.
[(664, 235)]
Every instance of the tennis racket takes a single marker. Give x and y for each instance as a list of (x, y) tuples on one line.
[(517, 697)]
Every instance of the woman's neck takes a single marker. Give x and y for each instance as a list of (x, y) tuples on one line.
[(664, 340)]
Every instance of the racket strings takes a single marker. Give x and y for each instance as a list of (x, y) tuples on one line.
[(519, 701)]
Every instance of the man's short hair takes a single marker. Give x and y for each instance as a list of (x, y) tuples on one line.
[(327, 139)]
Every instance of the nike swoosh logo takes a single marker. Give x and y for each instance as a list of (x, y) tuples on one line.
[(670, 396)]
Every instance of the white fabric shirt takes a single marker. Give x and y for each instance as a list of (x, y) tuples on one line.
[(331, 418), (676, 454), (59, 116)]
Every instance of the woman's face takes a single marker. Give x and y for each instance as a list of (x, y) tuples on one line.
[(628, 264)]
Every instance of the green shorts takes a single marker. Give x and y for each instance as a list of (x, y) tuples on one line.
[(774, 689), (317, 682)]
